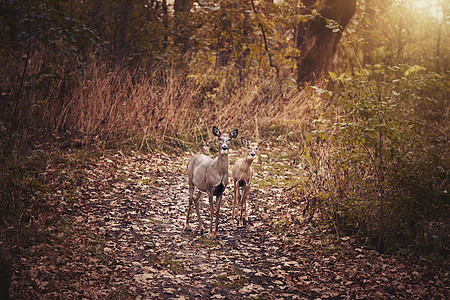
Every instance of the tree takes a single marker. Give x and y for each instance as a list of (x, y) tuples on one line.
[(317, 37), (122, 45), (183, 31)]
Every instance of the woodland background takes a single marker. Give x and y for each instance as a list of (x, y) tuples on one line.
[(359, 88)]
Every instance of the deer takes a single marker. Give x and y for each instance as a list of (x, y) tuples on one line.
[(242, 173), (209, 176)]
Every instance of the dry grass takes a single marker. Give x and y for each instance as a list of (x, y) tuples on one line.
[(117, 102), (103, 102)]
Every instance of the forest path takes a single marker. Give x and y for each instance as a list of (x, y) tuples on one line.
[(123, 238), (142, 213)]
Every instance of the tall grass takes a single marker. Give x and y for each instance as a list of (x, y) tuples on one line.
[(101, 101), (115, 102)]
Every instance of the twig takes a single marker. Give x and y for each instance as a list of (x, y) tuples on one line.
[(297, 184), (266, 47)]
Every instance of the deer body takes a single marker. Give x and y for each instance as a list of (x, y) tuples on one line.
[(209, 176), (242, 173), (210, 173)]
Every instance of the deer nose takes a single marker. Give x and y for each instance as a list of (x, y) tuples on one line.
[(224, 147), (253, 154)]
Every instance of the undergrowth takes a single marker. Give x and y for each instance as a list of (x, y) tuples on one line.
[(376, 164)]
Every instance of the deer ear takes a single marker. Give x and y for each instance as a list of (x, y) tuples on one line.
[(234, 134), (262, 142), (216, 131), (244, 141)]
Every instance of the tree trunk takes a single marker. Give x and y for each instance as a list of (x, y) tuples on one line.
[(317, 43), (182, 30), (224, 40), (165, 22), (125, 9)]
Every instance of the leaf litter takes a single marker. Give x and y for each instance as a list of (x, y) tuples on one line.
[(121, 236)]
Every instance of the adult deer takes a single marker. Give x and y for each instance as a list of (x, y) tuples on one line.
[(242, 173), (209, 176)]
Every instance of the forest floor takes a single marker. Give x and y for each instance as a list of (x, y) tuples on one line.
[(114, 223)]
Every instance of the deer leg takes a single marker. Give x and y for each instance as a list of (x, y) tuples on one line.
[(244, 203), (211, 211), (191, 198), (235, 201), (218, 200), (197, 209), (241, 208)]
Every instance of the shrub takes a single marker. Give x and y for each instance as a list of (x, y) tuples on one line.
[(386, 155)]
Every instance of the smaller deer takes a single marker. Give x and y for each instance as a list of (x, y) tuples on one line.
[(242, 173), (209, 176)]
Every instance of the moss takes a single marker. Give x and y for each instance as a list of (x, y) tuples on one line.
[(206, 242), (232, 279), (151, 182), (176, 266)]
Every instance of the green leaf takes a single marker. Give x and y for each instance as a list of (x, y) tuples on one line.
[(414, 69), (333, 76)]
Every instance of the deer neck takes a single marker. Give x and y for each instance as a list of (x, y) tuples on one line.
[(222, 163), (248, 161)]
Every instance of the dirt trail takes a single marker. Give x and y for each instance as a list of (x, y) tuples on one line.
[(143, 219), (126, 240)]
